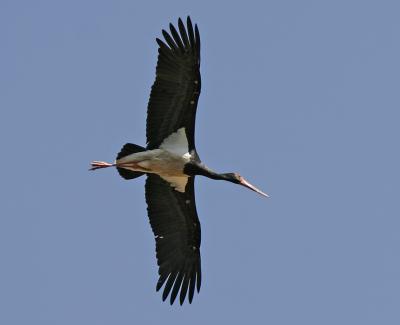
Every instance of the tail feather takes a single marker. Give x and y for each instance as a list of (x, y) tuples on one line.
[(127, 150)]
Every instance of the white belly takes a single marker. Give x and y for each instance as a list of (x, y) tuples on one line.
[(168, 161), (158, 161)]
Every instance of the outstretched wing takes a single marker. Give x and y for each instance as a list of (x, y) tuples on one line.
[(176, 90), (176, 228)]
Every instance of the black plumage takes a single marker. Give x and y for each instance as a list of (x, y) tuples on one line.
[(175, 92), (127, 149), (176, 228), (171, 163), (173, 216)]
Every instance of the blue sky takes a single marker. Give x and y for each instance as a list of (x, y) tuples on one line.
[(300, 97)]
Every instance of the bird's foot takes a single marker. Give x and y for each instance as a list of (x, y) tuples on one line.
[(100, 164)]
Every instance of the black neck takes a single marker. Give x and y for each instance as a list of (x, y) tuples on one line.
[(195, 168)]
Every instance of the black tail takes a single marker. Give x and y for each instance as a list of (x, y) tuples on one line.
[(126, 150)]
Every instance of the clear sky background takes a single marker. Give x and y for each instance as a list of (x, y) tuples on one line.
[(300, 97)]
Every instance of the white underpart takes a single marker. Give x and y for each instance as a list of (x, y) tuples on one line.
[(139, 156), (168, 161), (177, 143)]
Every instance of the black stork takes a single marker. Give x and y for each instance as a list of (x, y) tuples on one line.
[(171, 162)]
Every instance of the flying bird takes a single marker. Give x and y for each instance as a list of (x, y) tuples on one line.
[(171, 162)]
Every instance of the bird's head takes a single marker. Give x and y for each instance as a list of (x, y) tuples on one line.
[(238, 179)]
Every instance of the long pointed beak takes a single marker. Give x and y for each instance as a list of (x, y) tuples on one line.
[(252, 187)]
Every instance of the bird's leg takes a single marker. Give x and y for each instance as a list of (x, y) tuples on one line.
[(100, 164)]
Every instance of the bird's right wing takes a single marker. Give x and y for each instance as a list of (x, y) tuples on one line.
[(176, 228), (176, 90)]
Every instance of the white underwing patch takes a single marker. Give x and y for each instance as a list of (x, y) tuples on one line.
[(177, 143)]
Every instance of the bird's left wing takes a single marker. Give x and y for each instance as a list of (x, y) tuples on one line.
[(176, 228), (175, 92)]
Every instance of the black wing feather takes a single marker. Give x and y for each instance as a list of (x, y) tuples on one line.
[(197, 39), (191, 34), (176, 227), (177, 286), (185, 286), (175, 92), (169, 40), (191, 286), (183, 33), (177, 38)]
